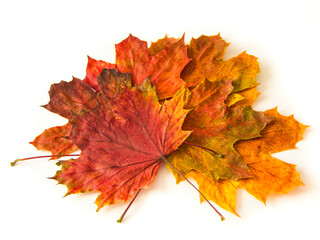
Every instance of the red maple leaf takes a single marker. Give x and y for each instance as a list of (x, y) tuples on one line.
[(162, 65), (132, 56), (123, 140)]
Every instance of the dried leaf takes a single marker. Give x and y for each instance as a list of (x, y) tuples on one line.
[(132, 56), (164, 67), (271, 175), (205, 52), (215, 128), (122, 149), (207, 61)]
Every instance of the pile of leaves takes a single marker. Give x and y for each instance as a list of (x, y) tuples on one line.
[(175, 103)]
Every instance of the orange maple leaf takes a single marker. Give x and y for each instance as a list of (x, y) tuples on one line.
[(271, 175)]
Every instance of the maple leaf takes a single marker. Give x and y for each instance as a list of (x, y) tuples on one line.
[(162, 62), (164, 67), (271, 175), (132, 55), (207, 61), (122, 147), (215, 128)]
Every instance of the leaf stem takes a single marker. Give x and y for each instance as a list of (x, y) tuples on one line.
[(221, 216), (125, 211), (44, 156)]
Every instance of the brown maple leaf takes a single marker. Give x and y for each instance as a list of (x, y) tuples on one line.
[(215, 128), (207, 61), (123, 142), (269, 175)]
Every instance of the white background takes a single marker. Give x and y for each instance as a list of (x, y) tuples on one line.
[(43, 42)]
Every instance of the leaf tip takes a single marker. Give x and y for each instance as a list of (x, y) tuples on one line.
[(183, 36), (67, 194), (44, 106)]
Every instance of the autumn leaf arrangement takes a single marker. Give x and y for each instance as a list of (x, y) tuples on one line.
[(172, 103)]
